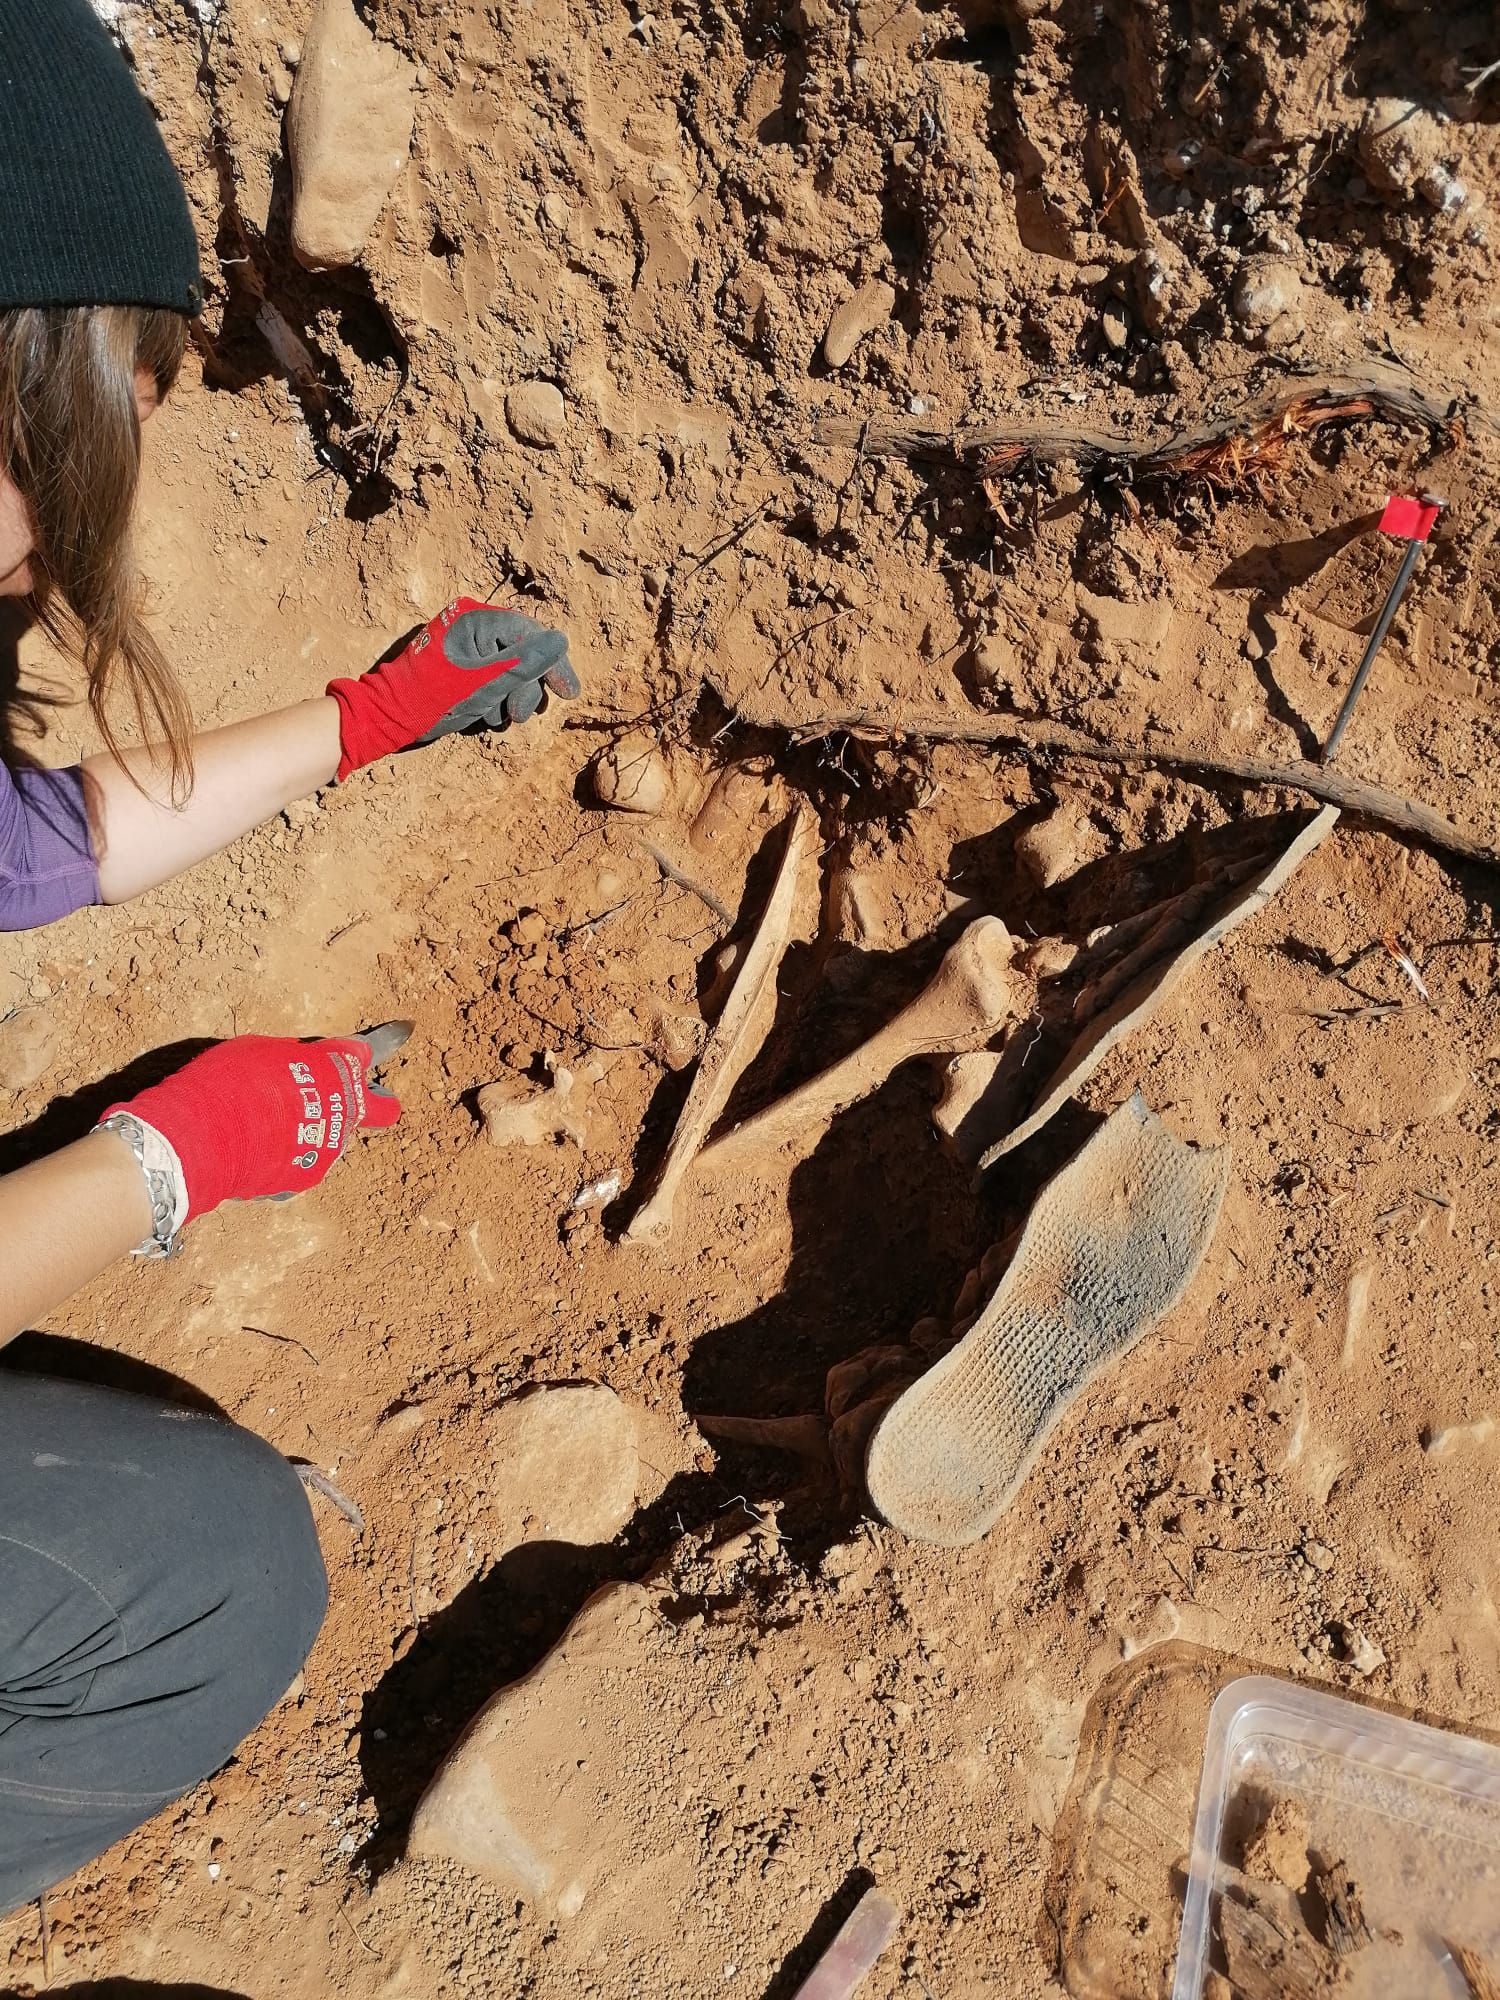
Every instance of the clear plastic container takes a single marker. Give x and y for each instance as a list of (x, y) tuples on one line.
[(1412, 1812)]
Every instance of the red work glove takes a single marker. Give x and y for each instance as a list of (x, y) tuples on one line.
[(262, 1115), (473, 664)]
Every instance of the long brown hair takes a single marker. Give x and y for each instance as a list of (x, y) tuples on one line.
[(70, 439)]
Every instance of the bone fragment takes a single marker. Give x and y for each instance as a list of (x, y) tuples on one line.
[(1141, 998), (1360, 1280), (537, 1117), (967, 1079), (737, 1033), (975, 992)]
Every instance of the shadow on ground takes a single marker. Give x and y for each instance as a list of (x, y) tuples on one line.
[(494, 1632), (131, 1989)]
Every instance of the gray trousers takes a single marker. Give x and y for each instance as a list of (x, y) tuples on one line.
[(160, 1586)]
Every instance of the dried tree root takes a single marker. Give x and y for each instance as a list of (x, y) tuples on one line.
[(737, 1033), (1346, 1928), (974, 993), (1221, 452), (1036, 733), (1479, 1979), (1271, 1957)]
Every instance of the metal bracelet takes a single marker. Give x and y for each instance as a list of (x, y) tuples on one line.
[(160, 1187)]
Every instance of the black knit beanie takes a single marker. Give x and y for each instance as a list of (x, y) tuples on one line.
[(91, 210)]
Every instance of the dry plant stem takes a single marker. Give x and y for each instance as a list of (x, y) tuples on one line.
[(1036, 733), (974, 993), (737, 1033)]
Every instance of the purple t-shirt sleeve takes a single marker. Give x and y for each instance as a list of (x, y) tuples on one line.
[(47, 863)]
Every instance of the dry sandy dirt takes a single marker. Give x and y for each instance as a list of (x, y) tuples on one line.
[(1126, 216)]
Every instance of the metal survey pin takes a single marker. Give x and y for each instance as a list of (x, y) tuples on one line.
[(1410, 521)]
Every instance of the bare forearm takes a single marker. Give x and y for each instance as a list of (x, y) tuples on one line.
[(242, 775), (65, 1219)]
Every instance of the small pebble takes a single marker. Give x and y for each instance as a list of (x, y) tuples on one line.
[(536, 413)]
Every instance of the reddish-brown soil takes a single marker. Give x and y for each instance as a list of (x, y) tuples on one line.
[(658, 207)]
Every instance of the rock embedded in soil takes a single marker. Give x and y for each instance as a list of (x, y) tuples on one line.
[(1049, 850), (1399, 145), (871, 306), (349, 128), (1267, 299), (536, 413), (562, 1465), (632, 776), (526, 1798)]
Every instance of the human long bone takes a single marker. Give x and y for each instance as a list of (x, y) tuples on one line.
[(976, 991), (737, 1034)]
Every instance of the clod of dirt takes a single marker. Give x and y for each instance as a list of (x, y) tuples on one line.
[(27, 1041), (1116, 329), (871, 306), (562, 1466), (536, 413), (1277, 1850), (349, 128), (676, 1034), (992, 668), (513, 1116), (632, 776), (1267, 299), (1399, 145), (526, 1798)]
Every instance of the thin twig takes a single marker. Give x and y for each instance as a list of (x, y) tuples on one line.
[(354, 1930), (672, 873), (286, 1340)]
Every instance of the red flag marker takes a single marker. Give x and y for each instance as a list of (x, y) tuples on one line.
[(1410, 521)]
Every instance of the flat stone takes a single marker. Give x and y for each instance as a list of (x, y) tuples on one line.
[(870, 306), (563, 1466), (1123, 622), (349, 127), (536, 413)]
